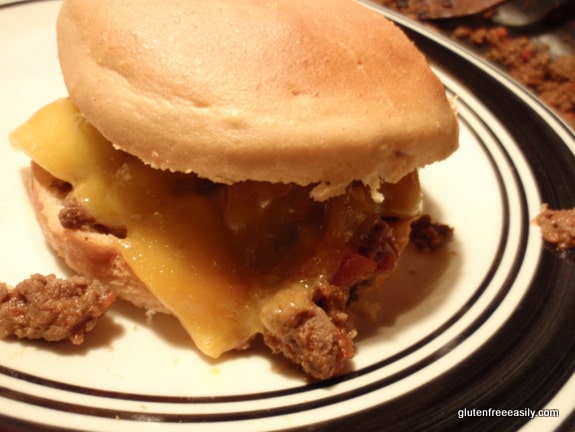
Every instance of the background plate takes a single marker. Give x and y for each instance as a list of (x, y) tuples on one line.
[(487, 324)]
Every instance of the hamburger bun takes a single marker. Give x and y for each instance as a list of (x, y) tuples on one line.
[(306, 92)]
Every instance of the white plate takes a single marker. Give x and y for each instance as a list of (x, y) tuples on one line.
[(486, 325)]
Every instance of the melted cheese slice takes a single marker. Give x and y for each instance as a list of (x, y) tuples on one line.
[(198, 252), (177, 247)]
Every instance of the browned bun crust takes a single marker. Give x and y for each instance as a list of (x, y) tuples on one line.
[(301, 91), (90, 254)]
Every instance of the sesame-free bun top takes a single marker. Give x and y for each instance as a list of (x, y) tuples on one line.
[(311, 92)]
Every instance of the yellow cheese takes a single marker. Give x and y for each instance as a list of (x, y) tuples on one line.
[(211, 256), (177, 247)]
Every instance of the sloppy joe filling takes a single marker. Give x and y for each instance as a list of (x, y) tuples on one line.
[(231, 261)]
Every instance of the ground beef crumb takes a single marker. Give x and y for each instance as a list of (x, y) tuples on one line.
[(320, 341), (75, 217), (308, 337), (46, 307), (557, 226), (428, 236)]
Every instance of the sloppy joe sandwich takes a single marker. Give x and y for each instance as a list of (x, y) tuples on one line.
[(248, 166)]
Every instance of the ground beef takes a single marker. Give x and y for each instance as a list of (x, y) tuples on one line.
[(557, 226), (531, 64), (334, 301), (379, 244), (428, 236), (74, 216), (550, 77), (559, 90), (316, 332), (374, 251), (46, 307), (310, 339), (306, 335), (415, 10)]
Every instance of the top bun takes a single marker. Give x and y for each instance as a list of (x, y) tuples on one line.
[(311, 92)]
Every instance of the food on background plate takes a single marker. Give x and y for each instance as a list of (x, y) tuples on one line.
[(557, 226), (525, 53), (247, 166)]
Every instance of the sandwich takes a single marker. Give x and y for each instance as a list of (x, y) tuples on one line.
[(248, 166)]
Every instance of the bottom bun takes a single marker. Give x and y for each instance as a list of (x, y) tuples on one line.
[(91, 254)]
